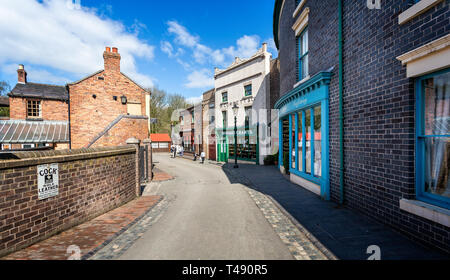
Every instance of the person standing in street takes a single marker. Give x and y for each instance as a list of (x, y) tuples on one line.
[(202, 155)]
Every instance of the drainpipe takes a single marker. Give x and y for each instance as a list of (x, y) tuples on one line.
[(68, 107), (341, 110)]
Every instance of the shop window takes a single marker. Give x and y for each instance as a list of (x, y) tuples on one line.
[(34, 109), (293, 154), (308, 141), (300, 141), (317, 141), (433, 139), (307, 126), (248, 117)]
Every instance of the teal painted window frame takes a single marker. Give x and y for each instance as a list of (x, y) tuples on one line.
[(300, 56), (304, 97), (420, 137)]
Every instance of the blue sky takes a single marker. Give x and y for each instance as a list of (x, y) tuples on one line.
[(174, 45)]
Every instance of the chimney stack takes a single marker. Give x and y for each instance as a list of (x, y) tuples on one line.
[(22, 74), (264, 47), (112, 60)]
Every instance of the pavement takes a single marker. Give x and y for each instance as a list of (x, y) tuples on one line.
[(344, 232), (204, 216), (82, 241)]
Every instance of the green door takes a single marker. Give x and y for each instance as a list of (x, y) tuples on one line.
[(222, 151)]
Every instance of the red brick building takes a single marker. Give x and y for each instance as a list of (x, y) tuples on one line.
[(102, 109)]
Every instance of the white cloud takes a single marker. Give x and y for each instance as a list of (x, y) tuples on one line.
[(167, 48), (245, 47), (194, 100), (183, 37), (200, 79), (271, 47), (52, 35), (40, 75)]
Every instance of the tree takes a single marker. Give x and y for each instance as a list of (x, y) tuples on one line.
[(162, 105), (5, 88)]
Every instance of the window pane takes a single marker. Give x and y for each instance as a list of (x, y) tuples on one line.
[(437, 166), (293, 142), (437, 105), (305, 68), (308, 141), (304, 42), (300, 143), (317, 141)]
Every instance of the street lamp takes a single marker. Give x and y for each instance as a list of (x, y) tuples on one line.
[(235, 112)]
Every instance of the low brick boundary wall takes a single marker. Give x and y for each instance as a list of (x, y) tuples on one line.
[(91, 182)]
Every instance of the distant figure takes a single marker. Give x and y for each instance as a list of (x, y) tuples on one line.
[(181, 150), (202, 155), (195, 156)]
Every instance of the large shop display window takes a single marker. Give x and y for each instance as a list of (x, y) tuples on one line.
[(307, 133), (433, 139)]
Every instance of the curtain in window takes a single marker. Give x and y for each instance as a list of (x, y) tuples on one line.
[(437, 128)]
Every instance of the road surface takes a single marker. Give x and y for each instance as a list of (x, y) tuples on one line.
[(207, 219)]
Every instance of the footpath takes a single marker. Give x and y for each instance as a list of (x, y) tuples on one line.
[(342, 231), (83, 241)]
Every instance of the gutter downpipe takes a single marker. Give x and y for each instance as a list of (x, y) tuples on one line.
[(68, 109), (341, 110)]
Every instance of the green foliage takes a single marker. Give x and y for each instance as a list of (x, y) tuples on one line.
[(4, 112), (5, 88), (162, 107)]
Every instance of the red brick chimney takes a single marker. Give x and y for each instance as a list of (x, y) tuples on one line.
[(112, 60), (22, 74)]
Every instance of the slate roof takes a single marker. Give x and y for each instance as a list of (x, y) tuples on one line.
[(41, 91), (4, 101)]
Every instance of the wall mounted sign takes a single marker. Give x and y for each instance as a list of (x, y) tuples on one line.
[(48, 180)]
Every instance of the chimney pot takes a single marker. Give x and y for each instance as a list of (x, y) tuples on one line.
[(108, 49), (21, 74), (115, 50)]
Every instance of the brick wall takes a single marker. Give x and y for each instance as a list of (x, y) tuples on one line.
[(52, 110), (91, 182), (380, 113), (89, 115), (126, 128), (379, 103)]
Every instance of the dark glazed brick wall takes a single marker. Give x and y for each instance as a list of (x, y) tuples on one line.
[(379, 103), (87, 188), (379, 107)]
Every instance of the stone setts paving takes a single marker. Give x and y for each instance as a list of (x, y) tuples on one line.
[(298, 240), (91, 236)]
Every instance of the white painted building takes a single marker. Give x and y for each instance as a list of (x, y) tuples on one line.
[(246, 83)]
